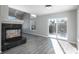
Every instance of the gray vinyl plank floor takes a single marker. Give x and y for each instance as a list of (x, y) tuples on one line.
[(34, 45)]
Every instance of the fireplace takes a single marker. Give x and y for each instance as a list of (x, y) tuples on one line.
[(11, 36), (13, 33)]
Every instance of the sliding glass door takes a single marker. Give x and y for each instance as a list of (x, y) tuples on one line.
[(58, 28), (52, 28)]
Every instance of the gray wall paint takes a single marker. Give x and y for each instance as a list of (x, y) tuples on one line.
[(42, 28), (72, 26)]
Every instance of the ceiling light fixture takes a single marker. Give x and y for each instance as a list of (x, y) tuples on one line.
[(48, 6), (33, 16)]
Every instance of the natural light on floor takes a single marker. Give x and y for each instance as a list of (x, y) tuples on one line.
[(65, 47), (56, 46)]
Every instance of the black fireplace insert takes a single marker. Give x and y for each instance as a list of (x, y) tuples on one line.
[(11, 36)]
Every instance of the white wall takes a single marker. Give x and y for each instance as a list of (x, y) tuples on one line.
[(72, 27)]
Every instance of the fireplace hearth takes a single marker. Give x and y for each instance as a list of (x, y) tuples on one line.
[(11, 36)]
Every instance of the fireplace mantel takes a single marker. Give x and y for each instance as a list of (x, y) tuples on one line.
[(12, 21)]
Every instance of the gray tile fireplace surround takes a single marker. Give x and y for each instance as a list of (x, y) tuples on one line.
[(34, 45)]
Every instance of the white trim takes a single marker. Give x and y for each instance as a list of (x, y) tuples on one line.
[(68, 41), (6, 20), (37, 34), (72, 42)]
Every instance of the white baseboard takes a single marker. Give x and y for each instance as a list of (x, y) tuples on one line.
[(70, 41), (37, 34), (73, 42)]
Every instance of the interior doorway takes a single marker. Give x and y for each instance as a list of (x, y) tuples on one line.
[(58, 28)]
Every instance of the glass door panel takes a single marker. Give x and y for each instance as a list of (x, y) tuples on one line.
[(62, 29), (52, 28)]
